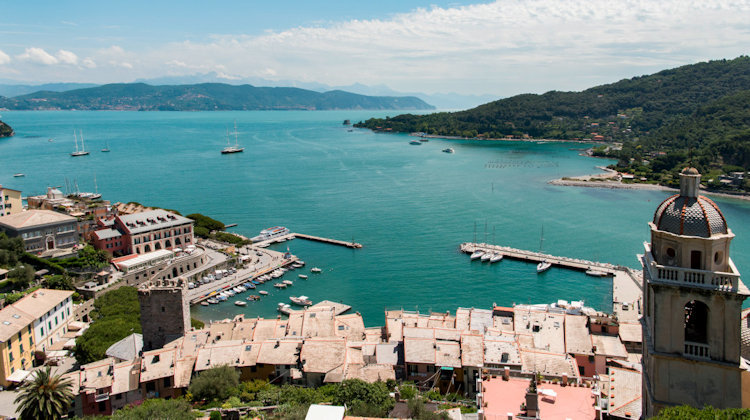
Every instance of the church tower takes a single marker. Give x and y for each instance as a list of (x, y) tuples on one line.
[(692, 300)]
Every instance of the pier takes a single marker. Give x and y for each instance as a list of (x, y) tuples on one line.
[(290, 236), (537, 257)]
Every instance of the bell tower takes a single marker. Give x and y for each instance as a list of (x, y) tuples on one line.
[(692, 295)]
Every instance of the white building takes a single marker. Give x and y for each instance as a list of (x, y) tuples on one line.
[(51, 310)]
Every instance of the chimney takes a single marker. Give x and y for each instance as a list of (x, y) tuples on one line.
[(506, 373)]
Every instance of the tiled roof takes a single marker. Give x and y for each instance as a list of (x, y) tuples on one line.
[(32, 218)]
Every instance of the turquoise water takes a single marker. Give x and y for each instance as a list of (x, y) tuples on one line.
[(411, 206)]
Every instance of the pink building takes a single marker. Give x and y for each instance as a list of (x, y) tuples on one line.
[(143, 232)]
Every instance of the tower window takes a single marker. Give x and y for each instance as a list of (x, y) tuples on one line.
[(695, 260), (717, 257), (671, 252), (696, 322)]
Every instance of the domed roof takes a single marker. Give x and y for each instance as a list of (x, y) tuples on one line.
[(690, 171), (690, 216)]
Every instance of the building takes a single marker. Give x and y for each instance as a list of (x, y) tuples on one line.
[(44, 232), (144, 232), (33, 323), (693, 298), (10, 201), (86, 207), (165, 312)]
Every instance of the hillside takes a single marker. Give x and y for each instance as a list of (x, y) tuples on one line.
[(640, 104), (204, 97), (5, 130)]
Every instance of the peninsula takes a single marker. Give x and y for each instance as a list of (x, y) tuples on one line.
[(6, 130)]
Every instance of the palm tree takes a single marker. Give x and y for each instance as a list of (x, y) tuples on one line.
[(44, 397)]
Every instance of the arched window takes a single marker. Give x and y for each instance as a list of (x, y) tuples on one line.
[(177, 241), (147, 248), (696, 322), (157, 246), (167, 244)]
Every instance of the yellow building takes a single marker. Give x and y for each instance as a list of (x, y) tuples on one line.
[(16, 344), (10, 201)]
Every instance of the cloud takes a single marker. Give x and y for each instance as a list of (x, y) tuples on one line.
[(38, 56), (88, 63), (67, 57), (4, 58)]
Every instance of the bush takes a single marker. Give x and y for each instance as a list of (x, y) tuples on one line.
[(206, 222), (684, 412), (215, 415), (176, 409), (215, 384), (197, 323), (407, 391), (358, 393), (433, 395)]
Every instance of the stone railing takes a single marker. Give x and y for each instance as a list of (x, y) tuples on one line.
[(697, 350), (702, 278)]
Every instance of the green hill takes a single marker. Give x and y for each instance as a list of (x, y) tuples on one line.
[(5, 130), (204, 97)]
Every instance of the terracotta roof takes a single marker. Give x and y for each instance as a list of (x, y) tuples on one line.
[(42, 301), (32, 218)]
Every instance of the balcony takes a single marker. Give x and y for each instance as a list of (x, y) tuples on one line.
[(104, 396), (697, 350), (727, 282)]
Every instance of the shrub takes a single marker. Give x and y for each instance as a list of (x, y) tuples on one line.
[(355, 392), (215, 384), (157, 408), (407, 391)]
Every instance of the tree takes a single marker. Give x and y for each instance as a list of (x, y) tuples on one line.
[(215, 384), (685, 412), (45, 396), (359, 394), (116, 315), (157, 408)]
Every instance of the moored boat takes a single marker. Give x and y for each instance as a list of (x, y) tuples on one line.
[(263, 292), (486, 256), (270, 233), (543, 266), (303, 277), (288, 282), (240, 303), (204, 303), (477, 254), (496, 257), (315, 270), (596, 273), (301, 300)]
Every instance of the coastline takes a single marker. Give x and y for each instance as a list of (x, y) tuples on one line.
[(647, 187), (528, 140)]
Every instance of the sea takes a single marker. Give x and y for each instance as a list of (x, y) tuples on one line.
[(411, 206)]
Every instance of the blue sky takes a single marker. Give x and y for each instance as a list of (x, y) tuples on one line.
[(501, 48)]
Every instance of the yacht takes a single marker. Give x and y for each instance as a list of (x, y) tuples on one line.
[(477, 254), (496, 257), (596, 273), (232, 149), (449, 150), (301, 300), (81, 152), (543, 266), (487, 256), (416, 142), (270, 233)]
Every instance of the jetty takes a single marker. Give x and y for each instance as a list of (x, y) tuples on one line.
[(290, 236), (537, 257)]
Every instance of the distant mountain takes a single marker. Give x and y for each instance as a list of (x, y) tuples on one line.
[(204, 97), (15, 90), (5, 130)]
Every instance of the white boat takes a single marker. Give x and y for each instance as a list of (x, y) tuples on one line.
[(81, 152), (449, 150), (315, 270), (106, 146), (496, 257), (543, 266), (18, 175), (263, 292), (288, 282), (240, 303), (283, 307), (280, 285), (477, 254), (204, 303), (230, 292), (415, 142), (223, 294), (301, 300), (487, 256), (270, 233), (232, 149), (300, 262), (596, 273), (303, 277), (212, 301)]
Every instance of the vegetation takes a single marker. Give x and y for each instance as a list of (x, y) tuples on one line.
[(44, 397), (5, 130), (204, 97), (197, 323), (693, 114), (418, 411), (176, 409), (116, 315), (684, 412), (364, 399), (88, 257), (218, 383), (206, 227)]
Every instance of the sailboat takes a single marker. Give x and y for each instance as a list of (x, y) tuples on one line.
[(106, 146), (232, 149), (544, 265), (81, 152)]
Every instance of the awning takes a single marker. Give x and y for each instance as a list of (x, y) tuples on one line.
[(18, 376)]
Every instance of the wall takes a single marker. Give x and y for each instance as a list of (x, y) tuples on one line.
[(50, 328), (21, 359)]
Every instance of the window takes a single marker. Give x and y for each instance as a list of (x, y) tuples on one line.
[(10, 354), (167, 382), (20, 348), (31, 342), (696, 322), (102, 406)]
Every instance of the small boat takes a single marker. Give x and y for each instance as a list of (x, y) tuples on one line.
[(106, 146), (596, 273), (280, 285), (240, 303), (263, 292), (301, 300), (212, 301), (18, 175), (543, 266), (288, 282), (496, 257), (424, 139), (449, 150), (204, 303), (222, 294), (283, 307), (303, 277), (253, 297), (416, 142), (486, 256), (251, 286), (477, 254), (221, 298), (315, 270), (300, 262), (230, 292)]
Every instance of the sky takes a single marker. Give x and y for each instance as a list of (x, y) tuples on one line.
[(500, 48)]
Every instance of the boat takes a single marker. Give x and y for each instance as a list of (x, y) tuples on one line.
[(543, 266), (204, 303), (232, 149), (303, 277), (496, 257), (230, 292), (416, 142), (106, 146), (240, 303), (263, 292), (253, 297), (271, 233), (477, 254), (288, 282), (250, 286), (212, 301), (449, 150), (424, 139), (221, 298), (300, 262), (280, 285), (596, 273), (487, 256), (315, 270), (301, 300), (18, 175), (81, 152), (283, 307)]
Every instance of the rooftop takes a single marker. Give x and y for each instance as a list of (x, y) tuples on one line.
[(126, 377), (42, 301), (107, 234), (151, 220), (279, 352), (577, 335), (501, 350), (503, 397), (144, 258), (546, 328), (322, 355), (157, 364), (12, 321), (609, 345), (472, 350), (127, 348), (625, 393), (32, 218)]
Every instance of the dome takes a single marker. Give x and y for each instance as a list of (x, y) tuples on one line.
[(690, 171), (690, 216)]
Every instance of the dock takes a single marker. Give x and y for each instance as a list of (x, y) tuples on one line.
[(338, 308), (537, 257), (290, 236)]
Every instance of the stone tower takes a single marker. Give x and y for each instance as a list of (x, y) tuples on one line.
[(692, 299), (165, 311)]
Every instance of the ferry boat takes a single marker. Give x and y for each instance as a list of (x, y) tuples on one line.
[(543, 266), (496, 257), (477, 254), (301, 300), (270, 233)]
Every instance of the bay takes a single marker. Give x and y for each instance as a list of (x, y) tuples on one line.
[(411, 206)]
